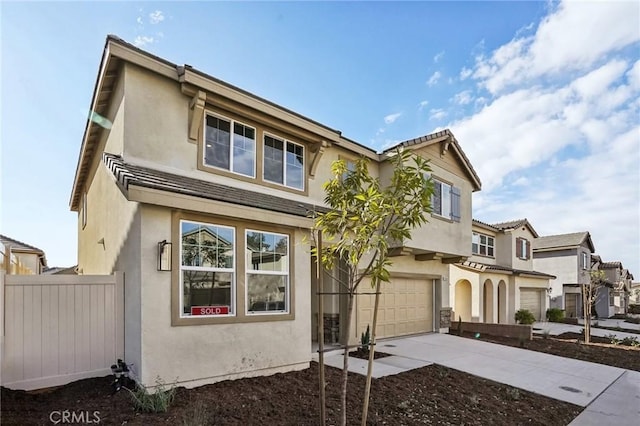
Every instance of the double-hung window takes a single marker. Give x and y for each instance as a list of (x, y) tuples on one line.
[(283, 162), (523, 248), (483, 245), (207, 269), (446, 200), (267, 272), (230, 145)]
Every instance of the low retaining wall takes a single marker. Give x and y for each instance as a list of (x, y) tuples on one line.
[(516, 331)]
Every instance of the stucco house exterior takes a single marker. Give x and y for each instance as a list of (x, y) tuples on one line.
[(29, 259), (499, 277), (613, 297), (568, 257), (201, 193)]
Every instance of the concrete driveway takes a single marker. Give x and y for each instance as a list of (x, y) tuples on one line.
[(578, 382), (555, 329)]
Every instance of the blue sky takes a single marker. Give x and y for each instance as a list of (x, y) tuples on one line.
[(544, 97)]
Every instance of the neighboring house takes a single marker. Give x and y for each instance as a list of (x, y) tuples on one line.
[(201, 193), (499, 278), (58, 270), (613, 296), (29, 260), (634, 293), (568, 257)]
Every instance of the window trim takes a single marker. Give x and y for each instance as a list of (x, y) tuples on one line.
[(454, 191), (232, 123), (479, 243), (240, 316), (233, 271), (248, 271), (584, 260), (285, 141)]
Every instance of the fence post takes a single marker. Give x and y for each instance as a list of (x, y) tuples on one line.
[(119, 307)]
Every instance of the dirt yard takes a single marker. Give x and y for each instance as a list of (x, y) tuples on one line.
[(430, 395)]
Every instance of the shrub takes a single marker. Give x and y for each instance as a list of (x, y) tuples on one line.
[(630, 341), (524, 316), (613, 339), (555, 314), (157, 402), (634, 309), (365, 340)]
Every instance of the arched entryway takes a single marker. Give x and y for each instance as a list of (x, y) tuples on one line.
[(488, 306), (462, 306), (502, 303)]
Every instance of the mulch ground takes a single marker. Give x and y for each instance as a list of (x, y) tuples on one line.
[(429, 395)]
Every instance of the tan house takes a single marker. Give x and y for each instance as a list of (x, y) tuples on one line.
[(200, 192), (21, 258), (613, 296), (499, 278)]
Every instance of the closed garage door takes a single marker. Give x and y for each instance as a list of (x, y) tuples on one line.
[(406, 307), (532, 301)]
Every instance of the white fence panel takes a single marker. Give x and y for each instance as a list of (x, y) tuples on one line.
[(60, 328)]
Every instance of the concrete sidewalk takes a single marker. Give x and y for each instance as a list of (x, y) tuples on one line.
[(578, 382), (556, 328)]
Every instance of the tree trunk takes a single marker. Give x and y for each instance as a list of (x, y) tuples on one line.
[(372, 347), (345, 362)]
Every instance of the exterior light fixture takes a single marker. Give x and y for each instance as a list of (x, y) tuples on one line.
[(164, 256)]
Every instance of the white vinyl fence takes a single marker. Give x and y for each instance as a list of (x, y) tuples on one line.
[(59, 328)]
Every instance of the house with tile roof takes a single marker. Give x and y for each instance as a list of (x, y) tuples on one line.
[(568, 257), (499, 278), (613, 296), (201, 193), (31, 260)]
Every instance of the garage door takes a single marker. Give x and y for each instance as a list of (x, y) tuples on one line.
[(406, 307), (531, 300)]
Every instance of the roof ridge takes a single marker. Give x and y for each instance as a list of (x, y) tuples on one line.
[(4, 237)]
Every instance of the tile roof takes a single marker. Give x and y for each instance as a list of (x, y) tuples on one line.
[(611, 265), (509, 224), (563, 240), (129, 174)]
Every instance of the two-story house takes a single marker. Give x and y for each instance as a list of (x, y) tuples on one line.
[(499, 278), (613, 295), (568, 257), (29, 260), (201, 193)]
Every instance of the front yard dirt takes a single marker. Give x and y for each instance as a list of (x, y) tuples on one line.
[(429, 395)]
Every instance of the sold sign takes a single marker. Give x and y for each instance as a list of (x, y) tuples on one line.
[(209, 310)]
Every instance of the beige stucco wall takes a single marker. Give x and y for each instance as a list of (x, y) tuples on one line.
[(207, 353), (564, 267), (516, 263)]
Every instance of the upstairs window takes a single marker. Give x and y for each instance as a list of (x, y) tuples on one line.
[(230, 145), (523, 248), (585, 261), (483, 245), (446, 200), (283, 162)]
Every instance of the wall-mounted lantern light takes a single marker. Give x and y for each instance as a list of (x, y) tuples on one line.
[(164, 256)]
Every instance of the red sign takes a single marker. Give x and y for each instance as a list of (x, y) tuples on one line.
[(209, 310)]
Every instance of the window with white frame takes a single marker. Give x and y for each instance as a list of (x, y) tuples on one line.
[(230, 145), (283, 162), (482, 244), (267, 272), (446, 200), (523, 248), (585, 261), (207, 269)]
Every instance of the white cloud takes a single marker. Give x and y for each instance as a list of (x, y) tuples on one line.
[(156, 17), (463, 98), (465, 73), (439, 56), (558, 137), (437, 114), (139, 20), (422, 105), (141, 41), (434, 78), (391, 118), (574, 36)]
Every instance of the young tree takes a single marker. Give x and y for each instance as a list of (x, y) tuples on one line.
[(590, 292), (364, 220)]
